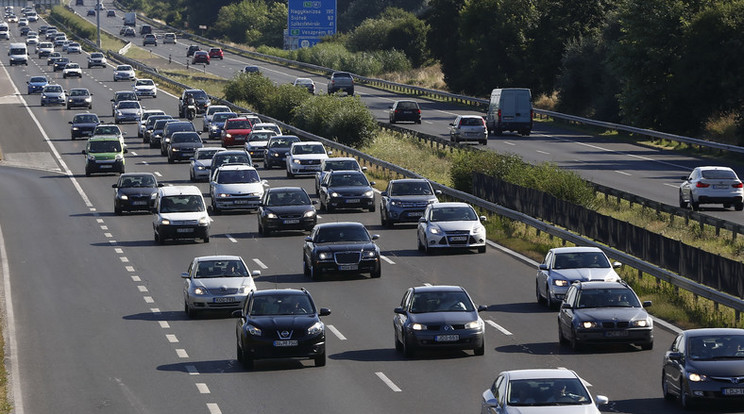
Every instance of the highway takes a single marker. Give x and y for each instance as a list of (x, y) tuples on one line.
[(96, 321)]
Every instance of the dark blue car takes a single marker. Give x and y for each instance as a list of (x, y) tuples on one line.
[(36, 84)]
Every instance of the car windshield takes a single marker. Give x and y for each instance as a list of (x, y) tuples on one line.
[(340, 165), (144, 82), (604, 298), (123, 68), (348, 180), (206, 155), (55, 88), (198, 95), (129, 105), (719, 174), (186, 203), (223, 116), (220, 268), (287, 198), (281, 304), (307, 149), (85, 119), (38, 79), (281, 142), (137, 181), (185, 137), (410, 188), (217, 109), (453, 214), (107, 130), (425, 302), (546, 392), (237, 177), (160, 123), (238, 124), (232, 158), (581, 260), (104, 146), (185, 126), (261, 136), (79, 92), (303, 81), (96, 55), (711, 347), (333, 234)]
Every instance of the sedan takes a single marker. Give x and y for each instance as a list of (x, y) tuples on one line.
[(469, 128), (216, 283), (343, 247), (335, 164), (146, 87), (60, 64), (438, 317), (405, 200), (124, 72), (540, 391), (135, 192), (83, 125), (72, 70), (286, 208), (53, 95), (276, 150), (712, 185), (74, 47), (704, 365), (52, 57), (346, 189), (236, 187), (200, 56), (201, 163), (127, 111), (405, 110), (79, 97), (36, 84), (183, 145), (450, 226), (255, 143), (564, 265)]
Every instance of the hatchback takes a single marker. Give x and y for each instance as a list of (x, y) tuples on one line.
[(200, 56), (216, 283), (134, 192), (711, 185), (469, 128), (405, 111), (216, 53), (451, 225)]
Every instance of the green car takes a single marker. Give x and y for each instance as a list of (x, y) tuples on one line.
[(104, 154)]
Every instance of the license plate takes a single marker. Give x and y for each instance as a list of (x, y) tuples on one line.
[(290, 342), (241, 201), (184, 230), (106, 166), (348, 267), (720, 186), (416, 214), (291, 221), (353, 200), (139, 203), (447, 338), (458, 238), (733, 391), (228, 299), (616, 334)]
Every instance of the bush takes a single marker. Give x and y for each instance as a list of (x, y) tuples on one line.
[(252, 88), (343, 119), (75, 23), (284, 99)]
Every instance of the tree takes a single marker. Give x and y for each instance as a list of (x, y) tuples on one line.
[(394, 29)]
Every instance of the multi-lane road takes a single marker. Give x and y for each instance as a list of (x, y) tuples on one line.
[(95, 309)]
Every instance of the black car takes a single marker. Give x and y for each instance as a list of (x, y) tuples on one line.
[(171, 128), (346, 189), (135, 192), (201, 99), (79, 97), (286, 208), (276, 150), (438, 317), (145, 29), (335, 164), (156, 135), (182, 146), (60, 63), (192, 49), (83, 125), (280, 323), (343, 247), (596, 312), (405, 111), (405, 200), (129, 32), (229, 157), (91, 12), (52, 57), (704, 365), (150, 125)]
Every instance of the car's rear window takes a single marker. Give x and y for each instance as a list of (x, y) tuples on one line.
[(471, 122), (719, 174), (407, 105), (238, 124)]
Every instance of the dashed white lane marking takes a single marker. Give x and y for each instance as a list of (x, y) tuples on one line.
[(142, 289), (130, 269), (336, 332), (136, 278), (543, 152), (133, 153), (510, 143), (124, 259), (164, 324), (112, 242), (388, 382), (149, 299), (172, 338), (108, 235), (99, 220), (623, 173), (231, 238), (192, 370), (119, 250), (385, 258), (213, 408), (497, 326), (260, 264), (104, 227), (202, 387), (144, 163), (155, 310), (182, 353), (158, 174)]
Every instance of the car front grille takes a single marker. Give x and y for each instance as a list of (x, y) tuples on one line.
[(347, 257), (309, 162), (412, 204), (612, 325), (440, 327), (222, 291), (184, 222)]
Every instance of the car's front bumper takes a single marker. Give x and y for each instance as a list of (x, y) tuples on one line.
[(134, 203), (127, 118), (289, 223), (455, 241), (405, 214), (146, 92), (262, 347), (182, 231), (304, 169), (104, 166), (237, 203), (714, 390), (211, 301), (623, 336), (352, 202), (363, 266), (450, 339), (53, 101), (78, 103)]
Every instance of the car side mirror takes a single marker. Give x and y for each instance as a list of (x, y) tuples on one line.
[(185, 275), (237, 314), (384, 193), (422, 220), (399, 311), (69, 122), (493, 403), (372, 183), (616, 265), (483, 218), (375, 236), (126, 150), (647, 303), (438, 192), (308, 239), (542, 266), (675, 356), (84, 152), (324, 312), (256, 273), (566, 306), (364, 168), (601, 400), (314, 202), (160, 184), (330, 153), (114, 185), (685, 178), (482, 308)]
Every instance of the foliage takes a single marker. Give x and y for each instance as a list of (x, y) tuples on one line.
[(252, 88), (353, 12), (343, 119), (394, 29), (253, 22), (77, 24)]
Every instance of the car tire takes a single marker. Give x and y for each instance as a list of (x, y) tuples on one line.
[(315, 273), (538, 296), (665, 388), (375, 274), (695, 206), (289, 174), (481, 249), (420, 245), (244, 358), (117, 210), (157, 238), (561, 338), (408, 349), (481, 350), (372, 208), (320, 360), (682, 202), (739, 206), (206, 238), (171, 160), (575, 345), (398, 345), (647, 346), (484, 142), (383, 222), (305, 268), (190, 312), (215, 211), (685, 400)]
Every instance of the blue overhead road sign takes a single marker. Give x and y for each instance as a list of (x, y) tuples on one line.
[(312, 18)]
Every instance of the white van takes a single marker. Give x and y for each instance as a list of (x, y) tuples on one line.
[(18, 54), (4, 31), (180, 213), (510, 109)]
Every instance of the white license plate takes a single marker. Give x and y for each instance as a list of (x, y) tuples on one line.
[(458, 238), (139, 203), (224, 300), (185, 230), (240, 201), (447, 338), (290, 342), (106, 166), (616, 334), (416, 214), (348, 267), (291, 221), (733, 391), (353, 201), (720, 186)]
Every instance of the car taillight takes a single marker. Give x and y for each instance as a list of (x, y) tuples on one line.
[(702, 185), (499, 115), (532, 114), (737, 185)]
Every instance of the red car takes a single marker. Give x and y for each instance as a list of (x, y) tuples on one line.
[(235, 132), (216, 53), (200, 56)]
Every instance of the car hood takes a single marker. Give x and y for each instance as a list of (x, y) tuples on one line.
[(204, 163), (226, 283), (309, 156), (239, 131), (610, 313), (187, 145), (85, 125), (440, 318), (350, 190), (718, 368), (145, 87), (239, 188), (295, 209), (185, 216), (344, 246), (456, 225), (584, 274), (132, 191), (256, 144), (53, 94), (129, 110), (413, 198), (280, 150), (565, 409), (104, 155), (284, 323)]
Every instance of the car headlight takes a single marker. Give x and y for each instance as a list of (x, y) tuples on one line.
[(310, 213), (478, 229), (91, 157), (695, 377), (119, 113), (69, 100), (223, 195), (174, 149), (167, 140), (123, 197), (88, 99), (204, 221), (394, 202), (201, 167), (275, 154), (271, 215), (315, 329), (200, 291), (228, 135), (434, 230), (75, 128), (588, 324), (642, 323), (474, 324), (298, 162), (253, 330), (165, 222), (560, 282), (418, 327), (369, 253), (369, 193), (245, 289), (324, 255), (335, 194)]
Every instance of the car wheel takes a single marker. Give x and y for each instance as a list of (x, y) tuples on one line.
[(481, 350), (538, 296), (695, 206), (685, 400), (398, 345), (372, 208), (267, 166), (245, 359), (320, 360), (170, 160), (190, 312), (215, 211), (117, 210), (157, 238), (682, 202), (315, 272), (739, 206), (375, 274), (561, 338), (408, 349), (420, 245), (383, 221), (575, 345), (206, 238), (647, 346), (427, 250), (481, 249), (72, 138), (305, 268), (665, 388), (289, 174), (484, 142)]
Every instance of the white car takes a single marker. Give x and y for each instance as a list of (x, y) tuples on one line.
[(72, 70), (255, 143), (268, 125), (236, 187), (127, 111), (145, 87), (32, 40), (169, 38), (74, 47), (124, 72), (209, 113), (451, 226), (469, 128), (180, 213), (564, 265), (303, 158), (43, 49), (711, 185), (201, 163), (216, 283)]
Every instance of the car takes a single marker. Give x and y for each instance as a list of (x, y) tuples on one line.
[(60, 63), (276, 150), (280, 323), (451, 225), (251, 69), (200, 56), (182, 146), (216, 53), (405, 110), (201, 100), (24, 30), (304, 158), (201, 163), (217, 124), (192, 49), (4, 31), (156, 134), (286, 208), (145, 87), (36, 84), (550, 390), (59, 40), (405, 200), (111, 13), (80, 2), (255, 143), (79, 97), (265, 125), (100, 6), (65, 45), (32, 40), (147, 113), (346, 189), (145, 30), (121, 96), (52, 57), (564, 265), (72, 69), (127, 111), (129, 32), (149, 126), (22, 22), (217, 283), (83, 125), (169, 38), (340, 247), (341, 81), (51, 34), (306, 83), (12, 18), (236, 187), (124, 72), (44, 49), (180, 213), (209, 113), (96, 59), (109, 130), (711, 185), (604, 312), (53, 94), (135, 192), (91, 12), (169, 129), (150, 39), (104, 154), (704, 365), (335, 164), (468, 128), (235, 131), (438, 317), (74, 47), (32, 16)]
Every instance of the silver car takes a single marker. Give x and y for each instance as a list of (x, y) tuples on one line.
[(451, 226), (124, 72), (127, 111), (216, 283), (712, 185), (469, 128), (201, 163), (236, 187), (53, 95)]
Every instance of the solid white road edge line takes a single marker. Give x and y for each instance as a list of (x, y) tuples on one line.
[(10, 331)]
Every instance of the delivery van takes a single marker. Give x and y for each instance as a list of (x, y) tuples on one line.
[(18, 54), (130, 19), (510, 109)]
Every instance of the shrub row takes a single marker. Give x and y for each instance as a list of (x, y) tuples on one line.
[(75, 23)]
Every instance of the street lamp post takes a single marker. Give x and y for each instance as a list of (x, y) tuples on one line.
[(98, 23)]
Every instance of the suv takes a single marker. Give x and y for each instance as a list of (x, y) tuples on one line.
[(305, 158), (604, 312), (169, 38), (104, 154), (192, 49), (341, 81), (200, 97), (145, 29), (150, 39), (405, 200), (405, 110), (180, 212), (96, 59), (280, 323)]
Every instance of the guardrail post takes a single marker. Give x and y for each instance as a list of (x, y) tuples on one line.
[(718, 229), (737, 316), (640, 275)]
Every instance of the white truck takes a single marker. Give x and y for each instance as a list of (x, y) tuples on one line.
[(130, 19)]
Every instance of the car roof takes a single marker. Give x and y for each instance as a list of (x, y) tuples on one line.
[(339, 159), (104, 138), (576, 249), (137, 174), (233, 152), (340, 224), (713, 331), (599, 284), (439, 288), (307, 143), (236, 167), (450, 204), (273, 189), (410, 180), (712, 167), (263, 292), (180, 190), (540, 373), (218, 257)]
